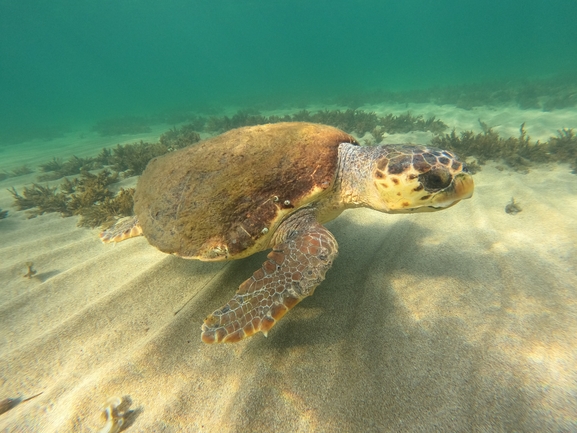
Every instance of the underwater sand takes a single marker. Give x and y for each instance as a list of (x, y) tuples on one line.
[(461, 320)]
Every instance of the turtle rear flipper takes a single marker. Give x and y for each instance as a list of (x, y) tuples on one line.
[(124, 228), (293, 270)]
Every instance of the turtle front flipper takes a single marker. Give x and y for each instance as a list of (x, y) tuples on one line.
[(124, 228), (292, 271)]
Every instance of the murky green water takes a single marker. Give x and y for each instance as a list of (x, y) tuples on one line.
[(68, 62)]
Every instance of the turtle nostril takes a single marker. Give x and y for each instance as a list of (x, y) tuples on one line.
[(436, 179)]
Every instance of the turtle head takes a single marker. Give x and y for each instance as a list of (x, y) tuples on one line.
[(410, 179)]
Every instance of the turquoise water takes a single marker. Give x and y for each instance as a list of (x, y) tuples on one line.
[(64, 62)]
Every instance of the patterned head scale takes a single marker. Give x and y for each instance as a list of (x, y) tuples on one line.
[(420, 179)]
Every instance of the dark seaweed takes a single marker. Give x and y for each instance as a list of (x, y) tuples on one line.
[(133, 158), (56, 169), (563, 148), (88, 196), (20, 171), (39, 199), (357, 121), (518, 153), (106, 212), (177, 138)]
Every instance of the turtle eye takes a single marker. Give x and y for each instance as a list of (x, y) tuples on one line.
[(436, 179)]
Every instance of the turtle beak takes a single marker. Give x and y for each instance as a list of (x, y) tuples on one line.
[(460, 189), (464, 185)]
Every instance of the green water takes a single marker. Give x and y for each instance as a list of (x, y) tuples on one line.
[(66, 62)]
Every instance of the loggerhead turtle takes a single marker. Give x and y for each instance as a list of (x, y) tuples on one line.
[(273, 186)]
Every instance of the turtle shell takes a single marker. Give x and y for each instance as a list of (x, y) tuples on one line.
[(224, 197)]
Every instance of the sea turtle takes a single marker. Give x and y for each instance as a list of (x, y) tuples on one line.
[(273, 187)]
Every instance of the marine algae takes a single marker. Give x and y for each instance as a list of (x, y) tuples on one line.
[(107, 211), (38, 199), (89, 189), (349, 120), (55, 169), (88, 196), (563, 147), (178, 138), (21, 171), (132, 159), (518, 153), (548, 94)]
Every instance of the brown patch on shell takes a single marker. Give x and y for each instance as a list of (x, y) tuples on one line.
[(214, 199)]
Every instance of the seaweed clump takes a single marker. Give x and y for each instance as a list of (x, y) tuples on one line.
[(88, 196), (563, 148), (546, 94), (132, 159), (407, 122), (129, 159), (20, 171), (349, 120), (3, 214), (87, 190), (177, 138), (518, 153), (56, 169), (38, 199), (107, 211), (241, 118)]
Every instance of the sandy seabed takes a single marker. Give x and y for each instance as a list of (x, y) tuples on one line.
[(461, 320)]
